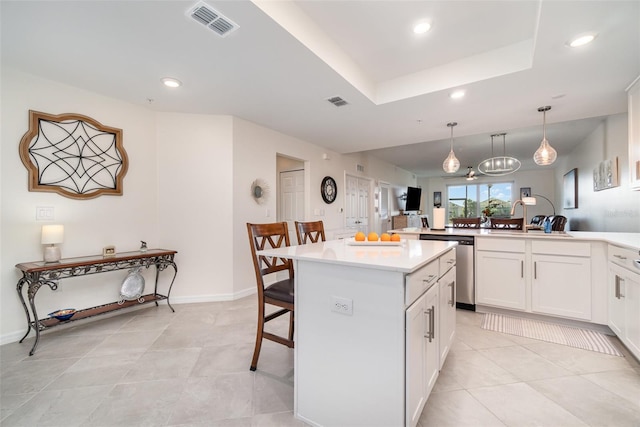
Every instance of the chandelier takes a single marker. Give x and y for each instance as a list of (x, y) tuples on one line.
[(499, 165)]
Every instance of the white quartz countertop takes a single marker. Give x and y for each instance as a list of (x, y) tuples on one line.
[(628, 240), (406, 257)]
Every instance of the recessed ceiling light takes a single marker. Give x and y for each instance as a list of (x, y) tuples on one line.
[(457, 94), (581, 40), (171, 82), (422, 28)]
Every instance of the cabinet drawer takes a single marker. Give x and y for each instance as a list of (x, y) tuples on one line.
[(501, 245), (447, 261), (555, 247), (421, 280), (624, 257)]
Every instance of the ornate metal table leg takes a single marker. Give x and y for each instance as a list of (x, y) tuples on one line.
[(21, 283), (31, 292), (175, 269)]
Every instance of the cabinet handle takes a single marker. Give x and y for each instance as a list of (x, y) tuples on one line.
[(429, 279), (428, 332), (618, 292), (620, 256), (432, 333), (451, 261), (451, 301), (521, 269), (535, 269)]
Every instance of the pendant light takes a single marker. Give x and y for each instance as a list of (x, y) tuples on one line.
[(499, 165), (451, 164), (545, 154)]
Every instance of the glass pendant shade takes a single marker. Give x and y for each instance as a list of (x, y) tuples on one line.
[(451, 164), (545, 154), (499, 165)]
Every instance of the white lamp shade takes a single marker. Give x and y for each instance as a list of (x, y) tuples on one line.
[(52, 234), (529, 201)]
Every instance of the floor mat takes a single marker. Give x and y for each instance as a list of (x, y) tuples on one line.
[(550, 332)]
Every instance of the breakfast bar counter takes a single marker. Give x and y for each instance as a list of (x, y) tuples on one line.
[(352, 366)]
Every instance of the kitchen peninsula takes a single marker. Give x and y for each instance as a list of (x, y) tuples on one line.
[(373, 326)]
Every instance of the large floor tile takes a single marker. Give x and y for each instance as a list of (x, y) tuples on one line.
[(519, 405), (577, 360), (271, 394), (147, 403), (32, 376), (589, 402), (208, 399), (479, 338), (524, 363), (125, 342), (624, 383), (163, 364), (456, 408), (225, 359), (58, 407), (471, 369)]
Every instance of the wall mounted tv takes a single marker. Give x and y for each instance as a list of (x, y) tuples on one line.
[(413, 199)]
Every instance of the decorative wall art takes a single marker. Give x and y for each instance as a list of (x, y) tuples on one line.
[(73, 155), (570, 190), (605, 175), (437, 198), (525, 192), (260, 191)]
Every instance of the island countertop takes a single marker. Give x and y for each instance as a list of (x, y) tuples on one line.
[(406, 257)]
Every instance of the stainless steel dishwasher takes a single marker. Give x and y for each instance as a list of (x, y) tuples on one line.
[(465, 271)]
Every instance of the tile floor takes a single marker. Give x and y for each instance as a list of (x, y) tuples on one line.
[(152, 367)]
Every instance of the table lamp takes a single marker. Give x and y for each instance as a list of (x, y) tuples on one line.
[(51, 235)]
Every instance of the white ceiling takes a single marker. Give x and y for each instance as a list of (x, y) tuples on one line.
[(288, 57)]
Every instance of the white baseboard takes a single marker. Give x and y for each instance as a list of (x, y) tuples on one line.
[(17, 335)]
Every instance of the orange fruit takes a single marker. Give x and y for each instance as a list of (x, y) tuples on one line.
[(385, 237), (360, 236), (395, 237), (372, 237)]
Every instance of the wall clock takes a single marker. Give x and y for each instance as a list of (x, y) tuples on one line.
[(328, 189)]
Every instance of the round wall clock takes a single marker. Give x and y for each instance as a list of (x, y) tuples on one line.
[(328, 189)]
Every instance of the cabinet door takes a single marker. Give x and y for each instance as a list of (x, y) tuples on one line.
[(432, 336), (632, 312), (416, 325), (447, 313), (561, 286), (500, 279), (616, 291)]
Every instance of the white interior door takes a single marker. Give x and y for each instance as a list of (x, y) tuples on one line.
[(357, 203), (292, 200), (384, 207)]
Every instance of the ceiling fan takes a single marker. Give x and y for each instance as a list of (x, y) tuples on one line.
[(471, 174)]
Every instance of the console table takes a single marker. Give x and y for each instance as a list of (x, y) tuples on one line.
[(39, 273)]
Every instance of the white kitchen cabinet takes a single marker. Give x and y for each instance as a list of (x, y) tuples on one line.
[(447, 314), (423, 363), (500, 273), (624, 296), (561, 282), (633, 93), (561, 286)]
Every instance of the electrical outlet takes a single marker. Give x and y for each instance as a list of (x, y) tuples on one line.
[(45, 213), (342, 305)]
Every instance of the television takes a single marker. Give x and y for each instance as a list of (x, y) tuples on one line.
[(413, 199)]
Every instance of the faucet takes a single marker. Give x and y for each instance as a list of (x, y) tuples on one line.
[(524, 213)]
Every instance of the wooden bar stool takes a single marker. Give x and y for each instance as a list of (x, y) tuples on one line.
[(312, 231), (280, 293)]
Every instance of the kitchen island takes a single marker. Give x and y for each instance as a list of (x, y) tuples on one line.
[(373, 325)]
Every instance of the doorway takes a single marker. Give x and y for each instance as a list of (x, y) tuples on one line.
[(291, 193)]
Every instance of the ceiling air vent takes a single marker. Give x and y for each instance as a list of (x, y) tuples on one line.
[(212, 19), (337, 101)]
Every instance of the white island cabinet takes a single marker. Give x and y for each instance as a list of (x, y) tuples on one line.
[(362, 346)]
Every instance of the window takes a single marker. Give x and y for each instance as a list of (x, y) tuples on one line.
[(479, 200)]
